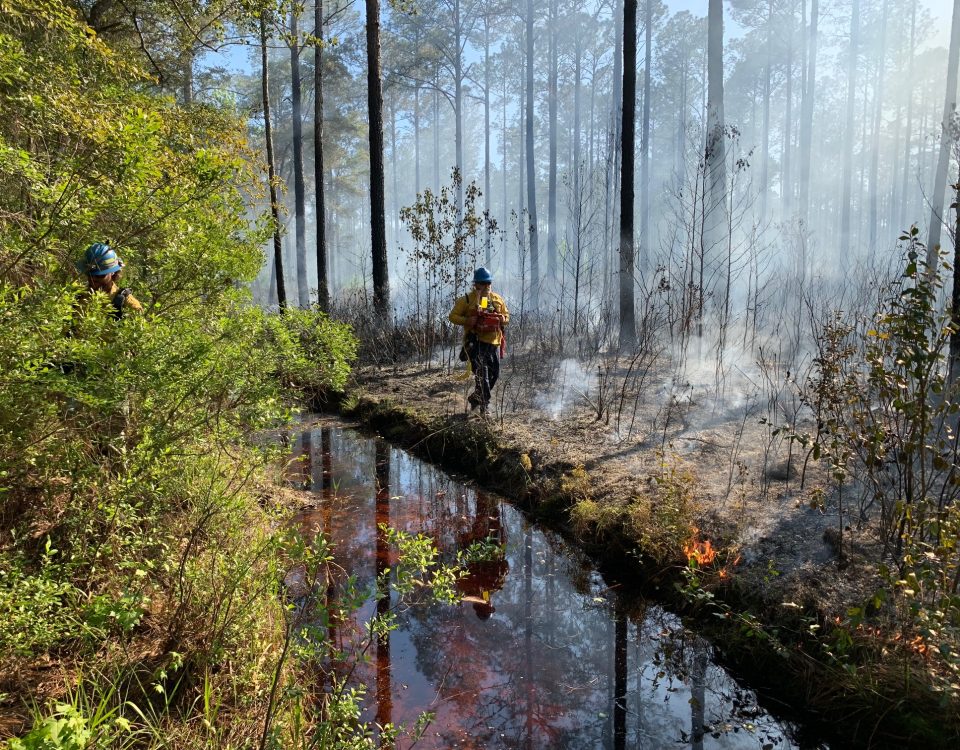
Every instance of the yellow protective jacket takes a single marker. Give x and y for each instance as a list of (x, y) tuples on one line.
[(469, 304)]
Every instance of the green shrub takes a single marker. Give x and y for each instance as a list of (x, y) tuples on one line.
[(312, 352)]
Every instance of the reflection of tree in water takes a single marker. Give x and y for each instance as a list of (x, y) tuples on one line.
[(536, 672), (681, 693)]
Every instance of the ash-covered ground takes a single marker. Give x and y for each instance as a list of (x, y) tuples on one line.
[(754, 491)]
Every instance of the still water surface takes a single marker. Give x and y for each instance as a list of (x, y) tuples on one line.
[(543, 653)]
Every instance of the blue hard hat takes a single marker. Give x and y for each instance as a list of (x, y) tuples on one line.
[(99, 260), (482, 276)]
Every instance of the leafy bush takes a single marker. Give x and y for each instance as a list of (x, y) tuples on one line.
[(131, 531), (885, 411), (312, 352)]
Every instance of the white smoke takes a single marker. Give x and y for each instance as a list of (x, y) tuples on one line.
[(570, 383)]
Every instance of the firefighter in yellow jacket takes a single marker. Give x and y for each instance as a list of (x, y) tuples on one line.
[(483, 315), (102, 267)]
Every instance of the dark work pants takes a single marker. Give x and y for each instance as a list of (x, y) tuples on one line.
[(485, 361)]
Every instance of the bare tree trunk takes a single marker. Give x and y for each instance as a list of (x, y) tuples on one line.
[(436, 133), (908, 138), (877, 124), (187, 89), (531, 172), (786, 187), (765, 135), (271, 169), (416, 139), (552, 115), (715, 210), (628, 333), (378, 229), (806, 126), (946, 139), (577, 155), (645, 140), (954, 365), (458, 102), (613, 149), (845, 194), (394, 177), (486, 133), (299, 189), (323, 289)]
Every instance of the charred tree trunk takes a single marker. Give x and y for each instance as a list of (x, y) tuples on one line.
[(323, 288), (378, 228), (645, 139), (628, 332)]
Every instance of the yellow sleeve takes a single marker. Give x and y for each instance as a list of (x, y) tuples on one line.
[(461, 311), (503, 309), (133, 303)]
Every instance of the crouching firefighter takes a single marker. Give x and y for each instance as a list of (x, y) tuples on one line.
[(102, 267), (483, 315)]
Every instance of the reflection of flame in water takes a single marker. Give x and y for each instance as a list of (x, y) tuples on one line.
[(700, 552)]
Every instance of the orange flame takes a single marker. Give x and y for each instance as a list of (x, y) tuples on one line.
[(701, 552)]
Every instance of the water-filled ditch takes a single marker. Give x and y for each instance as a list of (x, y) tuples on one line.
[(543, 652)]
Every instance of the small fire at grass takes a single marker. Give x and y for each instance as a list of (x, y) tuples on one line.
[(699, 551)]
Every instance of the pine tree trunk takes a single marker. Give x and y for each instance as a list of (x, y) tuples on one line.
[(806, 126), (786, 186), (846, 193), (436, 132), (715, 213), (323, 289), (628, 333), (552, 177), (908, 137), (271, 168), (765, 136), (378, 229), (613, 151), (488, 252), (531, 171), (877, 124), (394, 177), (946, 140), (645, 140), (458, 103), (299, 188)]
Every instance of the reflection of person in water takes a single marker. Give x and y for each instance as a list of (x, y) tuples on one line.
[(486, 564)]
